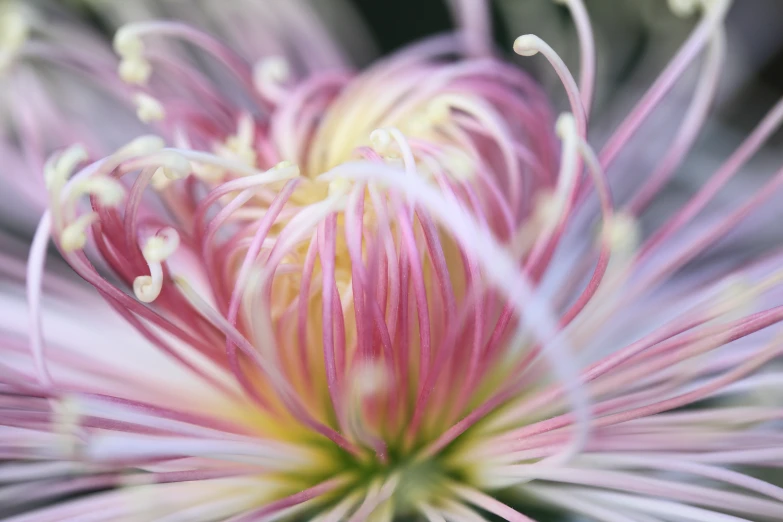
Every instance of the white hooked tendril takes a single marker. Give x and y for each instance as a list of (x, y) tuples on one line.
[(159, 247), (156, 250), (149, 145), (169, 163), (270, 75), (64, 196), (74, 236), (530, 45), (60, 166), (171, 167), (108, 191), (134, 68)]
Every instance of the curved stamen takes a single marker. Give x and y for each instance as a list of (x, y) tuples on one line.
[(269, 77), (156, 250), (584, 32), (530, 45)]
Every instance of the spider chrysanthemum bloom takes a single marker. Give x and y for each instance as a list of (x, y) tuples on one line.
[(404, 293)]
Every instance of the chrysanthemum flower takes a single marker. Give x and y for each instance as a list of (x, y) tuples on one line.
[(403, 293)]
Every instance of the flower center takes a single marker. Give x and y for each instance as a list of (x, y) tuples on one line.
[(360, 328)]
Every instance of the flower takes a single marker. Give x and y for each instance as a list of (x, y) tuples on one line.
[(401, 293)]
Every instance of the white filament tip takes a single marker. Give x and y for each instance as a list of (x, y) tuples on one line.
[(109, 191), (165, 174), (527, 45), (380, 139), (160, 247), (565, 125), (73, 239), (127, 42), (159, 179), (173, 165), (272, 70), (148, 109), (60, 167), (275, 68), (623, 232), (146, 288), (74, 236), (135, 70)]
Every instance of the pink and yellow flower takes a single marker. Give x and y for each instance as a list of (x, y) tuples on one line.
[(400, 293)]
